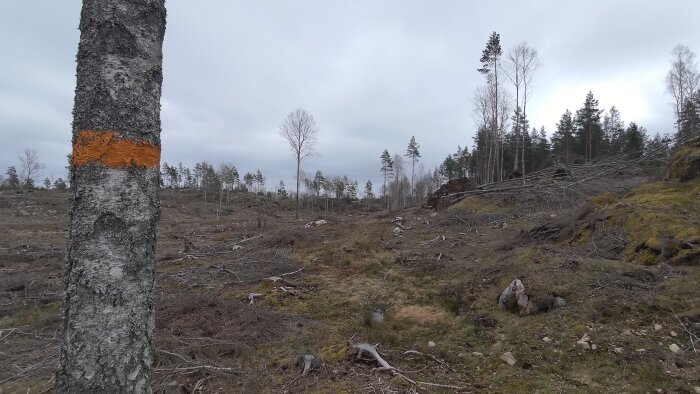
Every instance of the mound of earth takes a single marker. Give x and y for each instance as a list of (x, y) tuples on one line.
[(452, 186), (655, 223), (686, 162)]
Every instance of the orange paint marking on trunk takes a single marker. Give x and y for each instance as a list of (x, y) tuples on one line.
[(105, 147)]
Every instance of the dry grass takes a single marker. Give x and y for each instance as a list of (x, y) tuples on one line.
[(422, 315), (438, 282)]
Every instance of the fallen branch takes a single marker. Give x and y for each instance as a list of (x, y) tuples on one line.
[(181, 357), (278, 278), (7, 335), (292, 273), (249, 239), (209, 367), (449, 386), (186, 257), (436, 359), (432, 240), (691, 335), (360, 349)]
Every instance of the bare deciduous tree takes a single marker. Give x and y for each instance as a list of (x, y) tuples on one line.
[(522, 62), (108, 312), (683, 79), (299, 130), (30, 166)]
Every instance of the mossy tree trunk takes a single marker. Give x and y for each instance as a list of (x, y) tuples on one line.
[(108, 314)]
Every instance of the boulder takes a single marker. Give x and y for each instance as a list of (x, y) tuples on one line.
[(514, 299)]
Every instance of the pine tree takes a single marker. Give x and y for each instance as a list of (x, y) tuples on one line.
[(413, 154), (352, 190), (281, 191), (368, 190), (248, 180), (170, 174), (12, 178), (449, 168), (387, 170), (260, 180), (463, 158), (318, 182), (490, 60), (59, 184)]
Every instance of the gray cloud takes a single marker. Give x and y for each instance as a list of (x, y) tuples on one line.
[(373, 73)]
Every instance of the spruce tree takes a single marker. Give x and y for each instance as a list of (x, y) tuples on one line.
[(689, 121), (634, 139), (614, 131), (588, 129), (563, 138)]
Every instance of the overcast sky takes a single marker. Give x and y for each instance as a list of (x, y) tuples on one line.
[(372, 72)]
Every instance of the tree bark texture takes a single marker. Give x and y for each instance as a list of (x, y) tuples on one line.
[(108, 314)]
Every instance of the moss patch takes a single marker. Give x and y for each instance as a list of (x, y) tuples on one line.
[(686, 162)]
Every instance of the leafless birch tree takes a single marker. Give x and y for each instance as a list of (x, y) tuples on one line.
[(30, 166), (683, 79), (521, 63), (299, 130)]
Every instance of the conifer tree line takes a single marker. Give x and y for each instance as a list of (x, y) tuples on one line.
[(26, 177), (216, 184), (506, 146), (330, 192), (405, 181)]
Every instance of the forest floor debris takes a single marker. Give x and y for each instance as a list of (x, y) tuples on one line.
[(243, 302)]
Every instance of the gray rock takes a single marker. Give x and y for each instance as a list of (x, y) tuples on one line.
[(509, 358), (559, 302), (675, 348), (514, 298), (378, 316)]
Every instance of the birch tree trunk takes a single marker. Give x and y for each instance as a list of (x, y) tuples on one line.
[(108, 315)]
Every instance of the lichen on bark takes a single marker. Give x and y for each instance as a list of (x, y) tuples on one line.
[(108, 314)]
